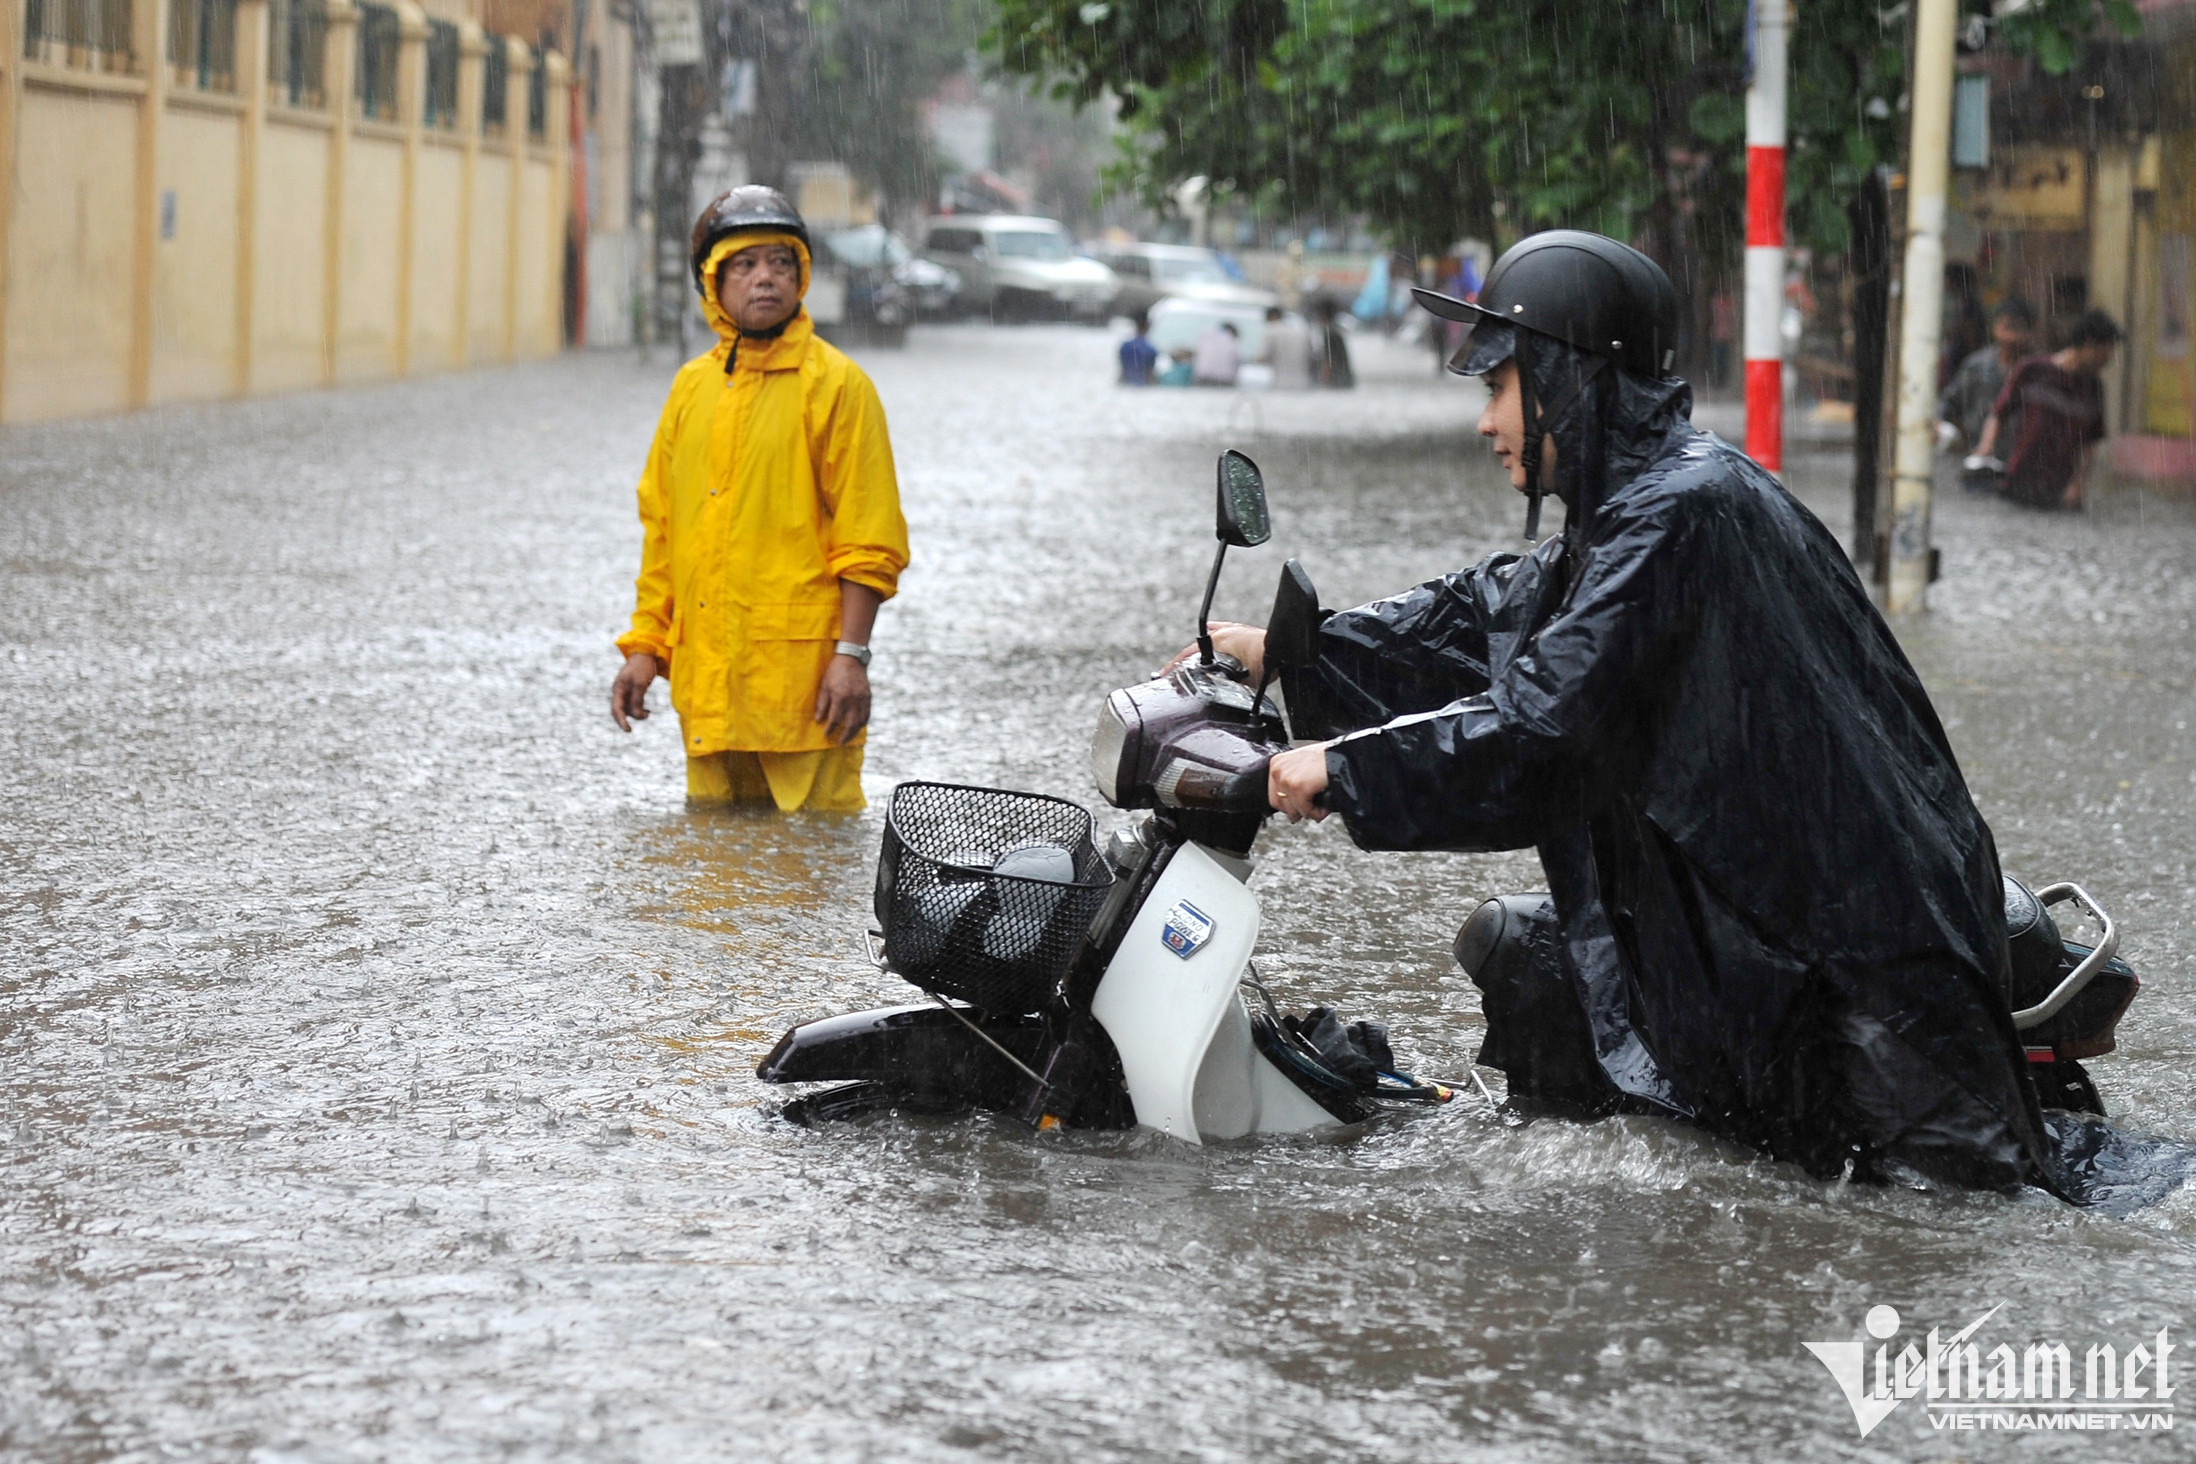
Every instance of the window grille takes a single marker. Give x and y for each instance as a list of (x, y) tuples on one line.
[(378, 40), (495, 78), (537, 95), (202, 44), (90, 35), (297, 53), (442, 73)]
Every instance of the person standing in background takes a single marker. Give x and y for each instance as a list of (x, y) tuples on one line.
[(1219, 358), (1288, 350), (772, 531), (1334, 348), (1722, 338), (1439, 337), (1139, 357)]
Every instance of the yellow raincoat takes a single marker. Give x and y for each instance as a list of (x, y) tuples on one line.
[(766, 485)]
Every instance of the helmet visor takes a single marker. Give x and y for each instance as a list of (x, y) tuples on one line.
[(1491, 341)]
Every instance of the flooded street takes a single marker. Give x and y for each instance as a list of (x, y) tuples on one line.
[(379, 1028)]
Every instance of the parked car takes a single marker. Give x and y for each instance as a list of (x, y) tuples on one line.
[(932, 287), (1014, 267), (1154, 272), (852, 296), (875, 256)]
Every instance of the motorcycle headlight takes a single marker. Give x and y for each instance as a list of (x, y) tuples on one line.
[(1113, 747)]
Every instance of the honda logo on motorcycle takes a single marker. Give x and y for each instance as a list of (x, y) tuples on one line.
[(1187, 929)]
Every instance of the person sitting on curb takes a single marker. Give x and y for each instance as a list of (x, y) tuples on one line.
[(2061, 406), (1965, 406)]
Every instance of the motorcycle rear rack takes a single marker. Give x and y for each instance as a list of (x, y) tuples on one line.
[(2079, 977)]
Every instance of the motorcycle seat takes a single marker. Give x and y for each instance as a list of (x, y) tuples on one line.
[(1494, 939)]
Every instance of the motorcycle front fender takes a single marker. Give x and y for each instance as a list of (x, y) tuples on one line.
[(1170, 1004)]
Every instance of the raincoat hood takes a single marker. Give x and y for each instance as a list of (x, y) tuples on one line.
[(723, 250), (1611, 425)]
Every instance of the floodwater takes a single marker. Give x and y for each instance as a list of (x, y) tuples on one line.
[(378, 1035)]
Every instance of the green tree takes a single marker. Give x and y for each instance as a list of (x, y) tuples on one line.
[(1438, 117), (863, 72)]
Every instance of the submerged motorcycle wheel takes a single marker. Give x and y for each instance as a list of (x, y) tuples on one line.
[(2066, 1084), (859, 1100)]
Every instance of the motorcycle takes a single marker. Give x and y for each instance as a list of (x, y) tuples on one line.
[(1108, 987)]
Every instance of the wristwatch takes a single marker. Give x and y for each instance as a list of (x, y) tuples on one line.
[(856, 652)]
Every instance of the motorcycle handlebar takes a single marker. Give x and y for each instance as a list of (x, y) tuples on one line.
[(1245, 792)]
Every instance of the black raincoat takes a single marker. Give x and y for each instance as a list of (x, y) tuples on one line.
[(1778, 911)]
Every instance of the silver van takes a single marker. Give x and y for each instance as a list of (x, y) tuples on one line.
[(1150, 273), (1014, 267)]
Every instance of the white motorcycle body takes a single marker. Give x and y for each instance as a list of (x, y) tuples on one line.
[(1171, 1002)]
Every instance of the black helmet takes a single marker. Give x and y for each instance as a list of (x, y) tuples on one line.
[(1586, 290), (750, 207)]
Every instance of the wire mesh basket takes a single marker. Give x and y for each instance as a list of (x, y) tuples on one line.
[(984, 894)]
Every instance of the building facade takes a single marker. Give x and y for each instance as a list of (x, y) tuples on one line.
[(2084, 196), (219, 198)]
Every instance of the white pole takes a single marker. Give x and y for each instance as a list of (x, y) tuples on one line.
[(1767, 22), (1928, 166)]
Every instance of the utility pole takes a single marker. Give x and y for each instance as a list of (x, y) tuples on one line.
[(1765, 117), (1928, 169), (1868, 264)]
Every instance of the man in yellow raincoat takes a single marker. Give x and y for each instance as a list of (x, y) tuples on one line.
[(772, 532)]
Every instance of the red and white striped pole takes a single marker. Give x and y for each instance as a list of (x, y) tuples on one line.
[(1765, 233)]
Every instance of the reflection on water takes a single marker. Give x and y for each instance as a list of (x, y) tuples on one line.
[(772, 892), (734, 866), (379, 1026)]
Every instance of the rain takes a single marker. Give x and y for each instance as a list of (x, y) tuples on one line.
[(379, 1025)]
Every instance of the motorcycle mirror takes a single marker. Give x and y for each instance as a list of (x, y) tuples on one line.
[(1242, 518), (1242, 522), (1292, 632)]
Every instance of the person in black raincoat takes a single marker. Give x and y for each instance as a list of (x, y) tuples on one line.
[(1778, 911)]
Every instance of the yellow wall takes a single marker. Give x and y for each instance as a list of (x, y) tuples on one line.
[(435, 330), (69, 255), (194, 272), (372, 195), (538, 324), (76, 334), (2167, 407), (491, 234), (289, 260)]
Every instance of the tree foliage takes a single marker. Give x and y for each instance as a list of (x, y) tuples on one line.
[(846, 80), (1440, 117), (872, 64)]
